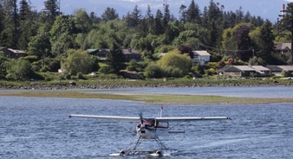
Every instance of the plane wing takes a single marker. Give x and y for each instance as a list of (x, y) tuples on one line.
[(166, 119), (122, 118), (163, 119)]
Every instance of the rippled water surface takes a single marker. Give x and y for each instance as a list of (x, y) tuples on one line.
[(40, 128)]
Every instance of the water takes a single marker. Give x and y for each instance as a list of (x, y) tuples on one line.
[(40, 128), (257, 92)]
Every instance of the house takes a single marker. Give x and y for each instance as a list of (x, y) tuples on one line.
[(11, 53), (131, 54), (283, 48), (278, 69), (128, 53), (129, 74), (101, 53), (237, 71), (201, 57)]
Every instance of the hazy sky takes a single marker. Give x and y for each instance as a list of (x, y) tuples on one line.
[(267, 9)]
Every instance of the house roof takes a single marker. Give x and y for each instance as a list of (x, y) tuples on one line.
[(286, 67), (129, 72), (260, 68), (244, 68), (125, 51), (237, 68), (282, 46), (201, 53), (130, 51), (274, 68), (91, 50), (17, 51)]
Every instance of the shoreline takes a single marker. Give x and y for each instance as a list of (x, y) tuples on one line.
[(116, 85)]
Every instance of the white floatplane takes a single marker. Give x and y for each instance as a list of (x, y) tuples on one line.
[(149, 128)]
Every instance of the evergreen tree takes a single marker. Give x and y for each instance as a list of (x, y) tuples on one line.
[(27, 25), (244, 42), (52, 9), (287, 24), (205, 17), (94, 18), (183, 14), (109, 14), (115, 59), (10, 31), (167, 16), (157, 26), (2, 19), (3, 66), (266, 42), (193, 13), (133, 18)]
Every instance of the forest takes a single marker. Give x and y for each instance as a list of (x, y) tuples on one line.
[(54, 40)]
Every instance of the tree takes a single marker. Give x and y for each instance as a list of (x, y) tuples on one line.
[(82, 21), (94, 19), (18, 69), (149, 17), (153, 71), (214, 18), (175, 60), (244, 42), (133, 18), (186, 49), (193, 13), (266, 42), (52, 10), (10, 31), (39, 45), (109, 14), (2, 18), (79, 62), (167, 16), (27, 25), (238, 42), (287, 24), (157, 27), (61, 34), (62, 24), (115, 59), (183, 14), (3, 61)]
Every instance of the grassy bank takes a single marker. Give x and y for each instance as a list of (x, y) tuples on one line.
[(165, 99), (118, 83)]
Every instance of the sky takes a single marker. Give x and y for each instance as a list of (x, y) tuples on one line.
[(267, 9)]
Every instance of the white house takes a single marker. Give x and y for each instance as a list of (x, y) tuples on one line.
[(201, 57)]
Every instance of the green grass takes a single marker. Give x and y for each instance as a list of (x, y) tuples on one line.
[(165, 99)]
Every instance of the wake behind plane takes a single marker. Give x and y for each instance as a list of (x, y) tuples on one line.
[(149, 128)]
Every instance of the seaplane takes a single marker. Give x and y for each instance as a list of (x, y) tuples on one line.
[(149, 128)]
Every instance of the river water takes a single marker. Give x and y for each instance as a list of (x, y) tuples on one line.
[(34, 128)]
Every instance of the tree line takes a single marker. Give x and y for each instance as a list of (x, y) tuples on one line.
[(54, 40)]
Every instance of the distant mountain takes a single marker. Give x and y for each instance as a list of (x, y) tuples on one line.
[(267, 9)]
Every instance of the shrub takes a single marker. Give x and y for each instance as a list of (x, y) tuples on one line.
[(153, 71)]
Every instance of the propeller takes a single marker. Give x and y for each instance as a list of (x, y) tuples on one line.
[(141, 118), (141, 121)]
